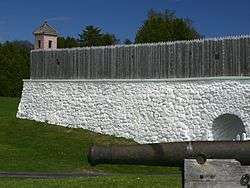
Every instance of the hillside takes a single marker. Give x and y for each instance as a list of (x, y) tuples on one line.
[(38, 147)]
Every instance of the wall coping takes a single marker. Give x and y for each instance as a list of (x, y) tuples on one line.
[(223, 78)]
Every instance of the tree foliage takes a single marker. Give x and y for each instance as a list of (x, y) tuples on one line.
[(14, 67), (165, 26), (93, 36), (67, 42), (127, 42), (159, 26)]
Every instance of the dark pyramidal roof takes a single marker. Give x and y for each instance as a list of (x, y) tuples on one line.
[(45, 29)]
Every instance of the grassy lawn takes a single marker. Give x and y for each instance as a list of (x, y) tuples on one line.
[(31, 146), (103, 182)]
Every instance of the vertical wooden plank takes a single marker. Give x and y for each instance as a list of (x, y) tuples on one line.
[(116, 63), (122, 72), (105, 67), (95, 62), (234, 57), (107, 62), (113, 63), (131, 60), (191, 60), (123, 65), (88, 58), (46, 63), (38, 62), (203, 58), (242, 56), (127, 62), (171, 60), (194, 61), (177, 60), (83, 69), (238, 59), (161, 60), (227, 57), (196, 67), (75, 62), (216, 58), (135, 63), (158, 61), (212, 63), (245, 49), (140, 61), (187, 58), (80, 64), (50, 65), (35, 62), (223, 56), (32, 65), (184, 59), (59, 64), (231, 59), (206, 58), (71, 63), (109, 55), (91, 63), (200, 59), (247, 57), (154, 63)]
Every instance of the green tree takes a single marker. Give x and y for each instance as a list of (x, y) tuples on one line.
[(127, 41), (165, 26), (14, 67), (109, 39), (93, 36), (68, 42)]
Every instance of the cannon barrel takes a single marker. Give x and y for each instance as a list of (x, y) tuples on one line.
[(170, 154)]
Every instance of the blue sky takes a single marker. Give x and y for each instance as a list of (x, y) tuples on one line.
[(18, 18)]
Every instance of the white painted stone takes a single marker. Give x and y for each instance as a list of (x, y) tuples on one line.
[(145, 110)]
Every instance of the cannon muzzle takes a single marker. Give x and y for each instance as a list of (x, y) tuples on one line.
[(170, 154)]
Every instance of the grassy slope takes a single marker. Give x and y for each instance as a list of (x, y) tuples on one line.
[(31, 146)]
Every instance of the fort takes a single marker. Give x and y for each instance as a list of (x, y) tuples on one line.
[(173, 91)]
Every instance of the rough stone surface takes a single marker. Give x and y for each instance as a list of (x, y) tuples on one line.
[(147, 111)]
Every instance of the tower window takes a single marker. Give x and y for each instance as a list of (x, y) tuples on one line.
[(50, 44), (39, 43)]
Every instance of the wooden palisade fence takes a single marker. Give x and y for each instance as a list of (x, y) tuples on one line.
[(182, 59)]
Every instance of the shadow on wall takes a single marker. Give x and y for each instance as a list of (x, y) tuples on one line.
[(228, 127)]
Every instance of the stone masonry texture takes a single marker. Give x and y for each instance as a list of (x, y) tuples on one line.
[(147, 111)]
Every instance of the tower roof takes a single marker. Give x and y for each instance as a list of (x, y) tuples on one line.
[(45, 29)]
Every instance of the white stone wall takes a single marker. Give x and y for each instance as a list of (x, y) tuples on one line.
[(144, 110)]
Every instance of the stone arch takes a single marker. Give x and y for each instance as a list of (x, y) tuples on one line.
[(228, 127)]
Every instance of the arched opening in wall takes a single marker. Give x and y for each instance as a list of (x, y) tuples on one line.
[(228, 127)]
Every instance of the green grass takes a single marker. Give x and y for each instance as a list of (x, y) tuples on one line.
[(32, 146), (102, 182)]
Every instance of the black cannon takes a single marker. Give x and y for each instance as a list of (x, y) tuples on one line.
[(171, 154)]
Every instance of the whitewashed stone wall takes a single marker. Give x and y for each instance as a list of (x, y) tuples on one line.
[(144, 110)]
